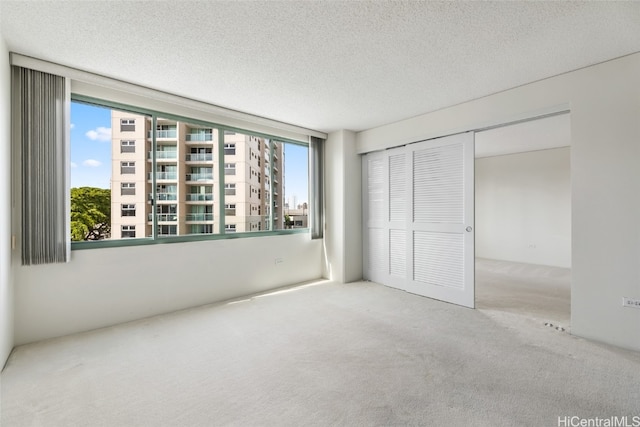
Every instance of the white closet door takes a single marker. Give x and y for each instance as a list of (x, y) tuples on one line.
[(375, 240), (418, 218), (440, 233)]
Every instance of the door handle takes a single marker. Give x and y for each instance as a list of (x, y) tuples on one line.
[(469, 228)]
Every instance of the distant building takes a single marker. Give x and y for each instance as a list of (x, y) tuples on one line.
[(299, 217), (187, 177)]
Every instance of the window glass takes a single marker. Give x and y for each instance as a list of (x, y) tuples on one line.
[(108, 185), (294, 171), (140, 176)]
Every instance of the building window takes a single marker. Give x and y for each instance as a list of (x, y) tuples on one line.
[(127, 125), (229, 189), (127, 168), (166, 131), (201, 229), (127, 146), (229, 168), (230, 228), (167, 230), (128, 210), (128, 231), (229, 149), (128, 189), (230, 209)]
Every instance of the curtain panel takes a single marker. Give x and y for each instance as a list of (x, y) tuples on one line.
[(41, 109)]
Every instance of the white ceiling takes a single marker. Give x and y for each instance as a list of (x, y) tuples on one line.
[(319, 64), (534, 135)]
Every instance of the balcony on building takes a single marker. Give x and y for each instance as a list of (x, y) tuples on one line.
[(199, 217), (199, 177), (199, 136), (164, 217), (163, 176), (199, 157), (164, 196), (198, 197), (163, 155), (167, 132)]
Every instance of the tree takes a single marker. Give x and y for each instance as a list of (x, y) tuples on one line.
[(90, 213), (288, 222)]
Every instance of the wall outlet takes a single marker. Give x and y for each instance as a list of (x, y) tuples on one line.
[(278, 261), (630, 302)]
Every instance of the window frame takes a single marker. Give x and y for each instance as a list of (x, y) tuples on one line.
[(222, 131)]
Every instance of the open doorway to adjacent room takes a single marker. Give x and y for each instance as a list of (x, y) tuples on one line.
[(523, 221)]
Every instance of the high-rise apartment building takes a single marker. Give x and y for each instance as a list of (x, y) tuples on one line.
[(187, 178)]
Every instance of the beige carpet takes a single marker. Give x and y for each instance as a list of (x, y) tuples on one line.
[(318, 355), (508, 290)]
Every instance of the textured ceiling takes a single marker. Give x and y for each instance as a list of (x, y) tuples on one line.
[(324, 65)]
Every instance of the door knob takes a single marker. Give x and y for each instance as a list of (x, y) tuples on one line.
[(469, 228)]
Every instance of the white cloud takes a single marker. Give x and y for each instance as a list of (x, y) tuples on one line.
[(74, 165), (72, 126), (91, 163), (99, 134)]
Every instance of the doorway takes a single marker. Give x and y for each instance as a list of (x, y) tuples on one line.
[(523, 221)]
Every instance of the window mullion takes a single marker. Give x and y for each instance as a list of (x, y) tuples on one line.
[(154, 204), (271, 186), (221, 181)]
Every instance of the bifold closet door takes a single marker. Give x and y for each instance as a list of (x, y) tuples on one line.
[(418, 218)]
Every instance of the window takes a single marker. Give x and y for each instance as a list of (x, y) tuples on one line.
[(128, 231), (200, 213), (167, 213), (200, 174), (166, 173), (167, 184), (229, 189), (200, 154), (201, 229), (127, 125), (200, 193), (127, 167), (128, 210), (128, 189), (167, 230), (166, 192), (166, 130), (199, 134), (128, 146), (166, 152)]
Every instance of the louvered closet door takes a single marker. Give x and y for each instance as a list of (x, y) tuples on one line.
[(386, 204), (375, 240), (440, 232)]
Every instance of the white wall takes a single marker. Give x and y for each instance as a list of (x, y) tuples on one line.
[(6, 287), (523, 207), (102, 287), (605, 177), (343, 208)]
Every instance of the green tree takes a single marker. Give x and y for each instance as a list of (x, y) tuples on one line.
[(90, 213)]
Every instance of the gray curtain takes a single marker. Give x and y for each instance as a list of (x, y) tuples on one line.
[(40, 105), (316, 153)]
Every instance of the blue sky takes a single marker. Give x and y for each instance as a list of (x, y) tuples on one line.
[(91, 153), (90, 146)]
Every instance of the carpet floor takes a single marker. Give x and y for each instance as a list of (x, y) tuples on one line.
[(320, 354)]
